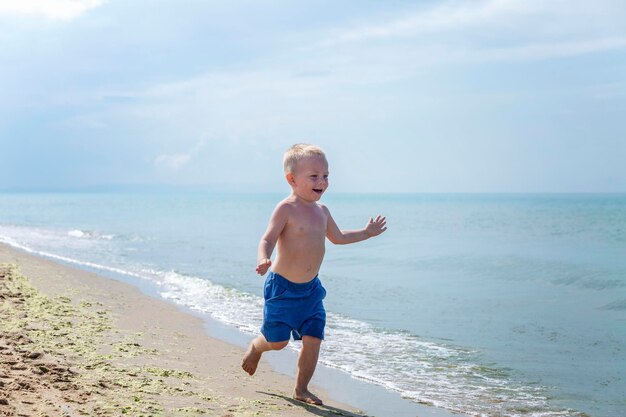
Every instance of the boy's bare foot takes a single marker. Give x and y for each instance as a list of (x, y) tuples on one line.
[(251, 359), (307, 397)]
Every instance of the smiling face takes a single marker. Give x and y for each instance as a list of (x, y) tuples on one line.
[(310, 178)]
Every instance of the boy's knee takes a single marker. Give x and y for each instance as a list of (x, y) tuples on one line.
[(278, 345)]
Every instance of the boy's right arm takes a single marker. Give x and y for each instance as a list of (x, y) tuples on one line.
[(268, 241)]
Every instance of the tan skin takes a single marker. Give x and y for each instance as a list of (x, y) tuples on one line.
[(298, 229)]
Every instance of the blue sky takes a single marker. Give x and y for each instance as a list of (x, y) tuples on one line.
[(405, 96)]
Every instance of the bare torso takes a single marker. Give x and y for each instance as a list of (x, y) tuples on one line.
[(301, 245)]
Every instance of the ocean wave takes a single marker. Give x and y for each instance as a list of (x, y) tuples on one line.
[(11, 242), (86, 234), (426, 372)]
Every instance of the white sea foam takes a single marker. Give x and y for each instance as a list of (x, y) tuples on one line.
[(76, 233), (13, 242), (86, 234), (425, 371)]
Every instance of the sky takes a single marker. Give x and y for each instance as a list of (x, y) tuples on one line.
[(404, 96)]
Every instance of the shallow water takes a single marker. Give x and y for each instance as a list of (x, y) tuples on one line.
[(485, 304)]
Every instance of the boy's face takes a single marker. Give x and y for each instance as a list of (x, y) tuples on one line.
[(310, 179)]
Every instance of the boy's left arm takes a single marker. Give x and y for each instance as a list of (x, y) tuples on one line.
[(342, 237)]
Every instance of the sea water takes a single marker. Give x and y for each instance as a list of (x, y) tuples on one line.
[(491, 305)]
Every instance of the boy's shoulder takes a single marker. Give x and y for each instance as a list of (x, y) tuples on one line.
[(287, 202), (323, 207), (284, 206), (291, 204)]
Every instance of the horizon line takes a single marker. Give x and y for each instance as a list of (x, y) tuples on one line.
[(243, 190)]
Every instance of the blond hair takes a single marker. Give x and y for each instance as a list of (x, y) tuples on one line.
[(298, 152)]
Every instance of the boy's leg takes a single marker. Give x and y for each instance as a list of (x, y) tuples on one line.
[(306, 367), (255, 350)]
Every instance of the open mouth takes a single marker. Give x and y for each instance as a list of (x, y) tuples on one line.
[(318, 190)]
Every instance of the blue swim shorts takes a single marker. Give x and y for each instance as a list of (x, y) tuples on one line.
[(293, 309)]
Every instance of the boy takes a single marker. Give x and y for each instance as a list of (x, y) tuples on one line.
[(293, 292)]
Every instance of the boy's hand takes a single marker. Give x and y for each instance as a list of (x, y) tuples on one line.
[(263, 266), (376, 226)]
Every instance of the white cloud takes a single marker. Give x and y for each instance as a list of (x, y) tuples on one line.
[(468, 31), (555, 49), (50, 9), (519, 17), (314, 86), (444, 17), (175, 162)]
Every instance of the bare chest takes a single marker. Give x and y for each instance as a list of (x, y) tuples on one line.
[(309, 224)]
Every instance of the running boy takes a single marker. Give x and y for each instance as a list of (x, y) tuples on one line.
[(293, 292)]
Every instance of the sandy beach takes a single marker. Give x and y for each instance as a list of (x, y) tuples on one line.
[(74, 343)]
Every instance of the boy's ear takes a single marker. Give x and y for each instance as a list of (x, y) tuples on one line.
[(290, 178)]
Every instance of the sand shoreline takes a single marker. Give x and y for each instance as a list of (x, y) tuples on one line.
[(75, 343)]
